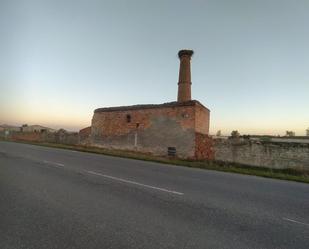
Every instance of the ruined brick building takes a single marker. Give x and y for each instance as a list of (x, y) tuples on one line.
[(180, 127)]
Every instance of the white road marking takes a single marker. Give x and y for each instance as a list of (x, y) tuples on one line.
[(60, 164), (54, 164), (295, 221), (135, 183)]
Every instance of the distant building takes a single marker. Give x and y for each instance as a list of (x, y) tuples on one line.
[(36, 128), (307, 132), (9, 128)]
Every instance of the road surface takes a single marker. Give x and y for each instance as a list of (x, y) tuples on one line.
[(53, 198)]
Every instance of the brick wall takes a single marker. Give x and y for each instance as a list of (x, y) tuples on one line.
[(204, 147), (61, 137), (201, 119), (116, 122), (148, 129)]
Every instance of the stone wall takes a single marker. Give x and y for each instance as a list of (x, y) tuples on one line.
[(84, 135), (148, 128), (59, 137), (264, 154), (172, 131), (28, 136)]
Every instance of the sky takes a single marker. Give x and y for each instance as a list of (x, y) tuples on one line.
[(61, 59)]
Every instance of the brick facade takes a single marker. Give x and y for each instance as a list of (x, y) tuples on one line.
[(204, 147), (152, 128)]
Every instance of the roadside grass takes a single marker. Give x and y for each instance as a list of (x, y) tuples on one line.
[(297, 175)]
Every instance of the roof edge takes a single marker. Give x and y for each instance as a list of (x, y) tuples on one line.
[(149, 106)]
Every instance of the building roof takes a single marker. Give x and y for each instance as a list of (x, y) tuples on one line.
[(149, 106)]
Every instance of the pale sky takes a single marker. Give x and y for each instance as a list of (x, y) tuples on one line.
[(61, 59)]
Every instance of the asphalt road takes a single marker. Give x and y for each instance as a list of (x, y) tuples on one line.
[(53, 198)]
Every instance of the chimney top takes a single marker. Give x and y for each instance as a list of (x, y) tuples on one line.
[(184, 82), (183, 52)]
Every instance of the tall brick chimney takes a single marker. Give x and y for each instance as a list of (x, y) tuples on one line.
[(184, 83)]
